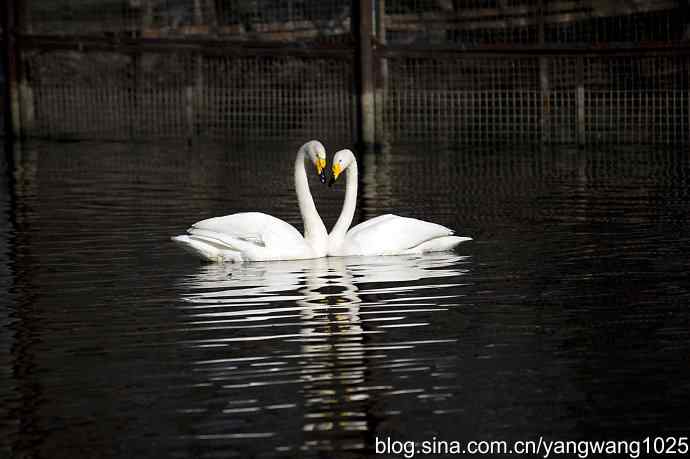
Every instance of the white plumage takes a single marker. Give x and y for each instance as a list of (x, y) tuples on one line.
[(386, 234), (394, 235), (255, 236), (246, 236)]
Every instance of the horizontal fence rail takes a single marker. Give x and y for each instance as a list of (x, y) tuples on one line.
[(377, 71)]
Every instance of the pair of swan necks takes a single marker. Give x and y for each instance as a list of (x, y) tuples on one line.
[(315, 232), (255, 236)]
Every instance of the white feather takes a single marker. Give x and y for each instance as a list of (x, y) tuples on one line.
[(255, 236), (386, 234)]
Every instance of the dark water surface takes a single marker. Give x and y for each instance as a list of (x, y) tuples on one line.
[(567, 317)]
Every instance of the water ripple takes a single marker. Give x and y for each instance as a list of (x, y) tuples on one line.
[(344, 334), (115, 343)]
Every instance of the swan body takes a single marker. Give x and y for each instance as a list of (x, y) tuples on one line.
[(394, 235), (248, 236), (255, 236), (383, 235)]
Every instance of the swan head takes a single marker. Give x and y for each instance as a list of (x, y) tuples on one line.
[(315, 151), (341, 161)]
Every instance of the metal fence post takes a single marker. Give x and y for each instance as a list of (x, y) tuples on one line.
[(147, 17), (196, 90), (545, 109), (381, 74), (363, 32), (11, 59), (580, 95), (26, 92)]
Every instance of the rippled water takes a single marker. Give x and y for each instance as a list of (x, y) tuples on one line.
[(567, 316)]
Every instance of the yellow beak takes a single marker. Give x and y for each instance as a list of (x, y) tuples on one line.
[(336, 171), (320, 165)]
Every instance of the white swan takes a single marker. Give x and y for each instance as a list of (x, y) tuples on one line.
[(383, 235), (254, 236)]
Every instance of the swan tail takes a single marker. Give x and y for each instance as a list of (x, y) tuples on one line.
[(439, 244), (207, 249)]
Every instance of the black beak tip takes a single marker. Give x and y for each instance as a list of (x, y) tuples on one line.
[(322, 177), (331, 181)]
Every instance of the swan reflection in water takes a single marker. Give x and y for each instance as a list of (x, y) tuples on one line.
[(320, 340)]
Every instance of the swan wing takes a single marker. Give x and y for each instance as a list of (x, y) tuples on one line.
[(357, 229), (394, 235), (259, 229), (249, 236)]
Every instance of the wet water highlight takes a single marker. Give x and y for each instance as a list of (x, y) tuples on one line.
[(566, 316)]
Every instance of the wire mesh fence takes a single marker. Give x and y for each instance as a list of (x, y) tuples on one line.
[(182, 95), (463, 100), (640, 100), (622, 99), (458, 71)]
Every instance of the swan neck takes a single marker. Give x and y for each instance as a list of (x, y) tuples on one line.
[(349, 206), (314, 229)]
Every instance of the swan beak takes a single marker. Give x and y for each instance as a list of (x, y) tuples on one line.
[(334, 174), (321, 169)]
